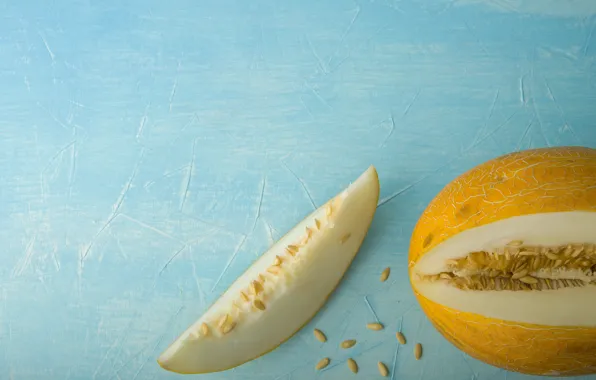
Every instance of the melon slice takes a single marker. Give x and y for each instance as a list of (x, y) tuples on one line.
[(282, 290), (503, 261)]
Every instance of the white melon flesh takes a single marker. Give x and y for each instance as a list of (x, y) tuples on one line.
[(321, 248), (564, 306)]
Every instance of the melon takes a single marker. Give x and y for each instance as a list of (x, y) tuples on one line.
[(503, 261), (282, 290)]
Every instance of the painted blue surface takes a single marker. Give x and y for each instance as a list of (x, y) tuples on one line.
[(149, 151)]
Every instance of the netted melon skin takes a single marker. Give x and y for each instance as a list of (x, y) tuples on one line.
[(519, 347), (529, 182)]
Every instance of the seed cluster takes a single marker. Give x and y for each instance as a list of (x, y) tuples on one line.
[(374, 326), (522, 267), (255, 294), (349, 343)]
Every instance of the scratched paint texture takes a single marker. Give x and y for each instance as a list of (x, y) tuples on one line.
[(149, 151)]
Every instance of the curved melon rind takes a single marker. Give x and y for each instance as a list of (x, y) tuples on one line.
[(533, 182), (328, 240), (545, 351)]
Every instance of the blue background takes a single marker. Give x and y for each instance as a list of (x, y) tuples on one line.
[(150, 151)]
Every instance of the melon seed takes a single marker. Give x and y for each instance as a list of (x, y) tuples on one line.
[(292, 250), (259, 304), (244, 296), (273, 269), (277, 261), (385, 274), (520, 274), (317, 223), (528, 280), (418, 351), (348, 343), (223, 320), (328, 209), (345, 238), (204, 329), (320, 336), (551, 256), (383, 369), (309, 233), (322, 364), (400, 338), (374, 326), (352, 365), (256, 287), (227, 328)]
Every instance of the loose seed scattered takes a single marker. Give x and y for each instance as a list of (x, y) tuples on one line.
[(385, 274), (322, 364), (375, 326), (352, 365), (383, 369), (348, 343), (418, 351), (400, 338), (320, 336), (259, 304)]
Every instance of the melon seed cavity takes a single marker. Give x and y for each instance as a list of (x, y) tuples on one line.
[(519, 267)]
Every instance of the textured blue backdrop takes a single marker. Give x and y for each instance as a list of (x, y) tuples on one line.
[(149, 151)]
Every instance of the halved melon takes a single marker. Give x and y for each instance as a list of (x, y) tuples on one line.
[(283, 289), (503, 261)]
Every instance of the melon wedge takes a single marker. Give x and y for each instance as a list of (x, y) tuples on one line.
[(282, 290)]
